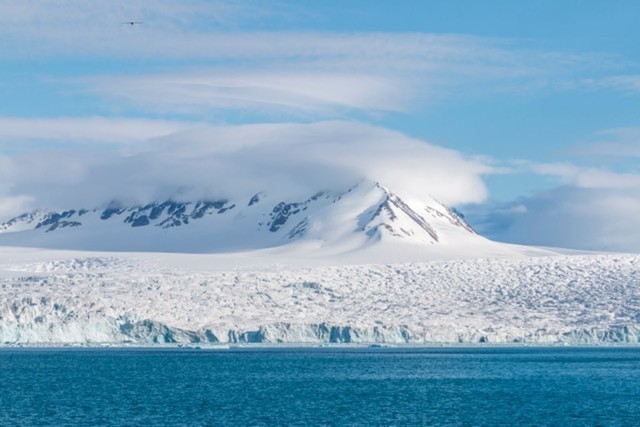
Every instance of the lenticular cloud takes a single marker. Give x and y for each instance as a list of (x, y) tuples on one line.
[(203, 161)]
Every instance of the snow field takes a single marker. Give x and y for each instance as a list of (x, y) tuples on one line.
[(576, 299)]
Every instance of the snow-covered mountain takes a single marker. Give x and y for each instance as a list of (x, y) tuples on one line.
[(364, 216), (366, 264)]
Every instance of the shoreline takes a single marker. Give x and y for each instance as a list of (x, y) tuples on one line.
[(307, 346)]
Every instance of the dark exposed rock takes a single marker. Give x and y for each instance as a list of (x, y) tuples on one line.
[(299, 230), (63, 224), (282, 211), (140, 221), (54, 220), (281, 214), (175, 213), (255, 199), (114, 208)]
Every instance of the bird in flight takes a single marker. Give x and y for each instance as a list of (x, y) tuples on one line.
[(133, 23)]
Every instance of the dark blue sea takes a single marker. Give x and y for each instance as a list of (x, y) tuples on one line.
[(369, 387)]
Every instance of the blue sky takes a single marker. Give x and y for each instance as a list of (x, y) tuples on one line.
[(541, 98)]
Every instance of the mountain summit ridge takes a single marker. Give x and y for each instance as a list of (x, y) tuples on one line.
[(365, 214)]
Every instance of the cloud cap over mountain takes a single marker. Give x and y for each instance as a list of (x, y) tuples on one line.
[(225, 161)]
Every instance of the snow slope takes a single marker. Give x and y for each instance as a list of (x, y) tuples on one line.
[(71, 297), (365, 218)]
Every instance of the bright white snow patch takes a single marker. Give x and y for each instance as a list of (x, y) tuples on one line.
[(65, 297)]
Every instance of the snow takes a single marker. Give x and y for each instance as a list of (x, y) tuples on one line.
[(353, 219), (56, 297), (360, 265)]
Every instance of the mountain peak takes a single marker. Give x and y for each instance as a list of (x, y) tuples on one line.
[(361, 215)]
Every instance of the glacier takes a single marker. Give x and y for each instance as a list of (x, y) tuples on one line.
[(64, 297)]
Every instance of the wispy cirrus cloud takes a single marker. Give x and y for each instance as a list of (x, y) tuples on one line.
[(588, 177), (331, 74), (237, 66), (295, 92), (77, 27), (205, 29), (614, 143), (15, 130), (625, 83)]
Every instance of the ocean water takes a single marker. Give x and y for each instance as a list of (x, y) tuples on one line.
[(322, 386)]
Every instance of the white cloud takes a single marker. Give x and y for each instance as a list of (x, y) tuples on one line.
[(68, 24), (570, 217), (328, 74), (593, 209), (13, 130), (286, 160), (296, 92), (198, 29), (304, 74), (626, 83), (618, 142), (589, 177), (9, 206)]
